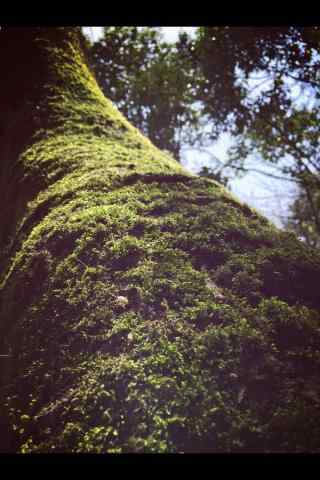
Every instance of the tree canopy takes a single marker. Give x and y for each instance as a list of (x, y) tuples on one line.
[(261, 85), (151, 82)]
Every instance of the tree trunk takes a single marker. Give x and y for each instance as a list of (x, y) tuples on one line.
[(143, 309)]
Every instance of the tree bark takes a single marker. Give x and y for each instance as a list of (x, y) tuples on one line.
[(143, 309)]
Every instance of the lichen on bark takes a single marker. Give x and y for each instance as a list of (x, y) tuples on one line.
[(143, 309)]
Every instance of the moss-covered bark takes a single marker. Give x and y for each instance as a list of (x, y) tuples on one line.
[(143, 309)]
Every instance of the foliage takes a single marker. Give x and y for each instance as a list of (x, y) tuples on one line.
[(259, 84), (265, 83), (304, 216), (151, 82)]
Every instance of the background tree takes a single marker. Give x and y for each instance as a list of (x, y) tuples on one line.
[(304, 215), (264, 89), (261, 85), (152, 82), (142, 308), (277, 117)]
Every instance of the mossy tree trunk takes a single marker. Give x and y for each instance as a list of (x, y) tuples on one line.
[(142, 308)]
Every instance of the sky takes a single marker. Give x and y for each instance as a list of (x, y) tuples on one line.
[(269, 196)]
